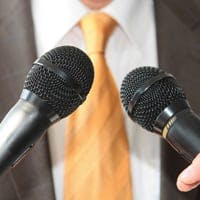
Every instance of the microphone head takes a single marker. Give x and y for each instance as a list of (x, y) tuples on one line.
[(62, 78), (153, 100)]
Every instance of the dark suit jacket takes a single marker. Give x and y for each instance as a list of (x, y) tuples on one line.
[(178, 35)]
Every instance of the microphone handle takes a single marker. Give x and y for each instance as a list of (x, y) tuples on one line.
[(183, 133), (19, 130)]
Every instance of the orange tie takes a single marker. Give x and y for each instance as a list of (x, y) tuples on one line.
[(97, 163)]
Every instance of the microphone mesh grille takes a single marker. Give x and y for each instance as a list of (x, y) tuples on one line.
[(50, 87), (153, 101)]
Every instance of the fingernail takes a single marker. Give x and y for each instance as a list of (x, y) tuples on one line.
[(186, 173)]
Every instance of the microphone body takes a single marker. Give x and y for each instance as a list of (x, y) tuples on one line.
[(180, 126), (21, 127)]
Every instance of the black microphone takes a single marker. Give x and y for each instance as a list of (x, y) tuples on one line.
[(55, 86), (154, 100)]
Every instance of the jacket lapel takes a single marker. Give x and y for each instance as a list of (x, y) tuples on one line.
[(178, 31), (31, 179)]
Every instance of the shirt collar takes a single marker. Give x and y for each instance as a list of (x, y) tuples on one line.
[(129, 14)]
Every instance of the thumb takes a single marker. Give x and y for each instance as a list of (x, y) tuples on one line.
[(190, 177)]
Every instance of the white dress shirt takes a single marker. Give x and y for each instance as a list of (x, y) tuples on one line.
[(132, 44)]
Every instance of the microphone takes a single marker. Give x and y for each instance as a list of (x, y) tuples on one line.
[(155, 101), (55, 86)]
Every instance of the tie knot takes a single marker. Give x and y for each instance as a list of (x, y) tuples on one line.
[(96, 28)]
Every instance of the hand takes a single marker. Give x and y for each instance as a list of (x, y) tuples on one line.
[(189, 178)]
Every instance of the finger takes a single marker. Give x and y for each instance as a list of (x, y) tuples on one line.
[(184, 187), (190, 177)]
